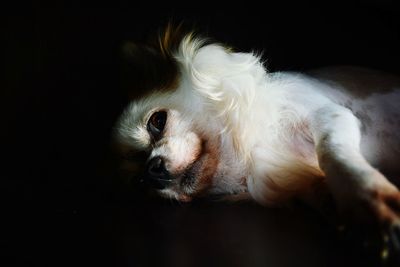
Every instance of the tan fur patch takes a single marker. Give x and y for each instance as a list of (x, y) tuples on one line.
[(170, 39), (208, 160), (211, 152)]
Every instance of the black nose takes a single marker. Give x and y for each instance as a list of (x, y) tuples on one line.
[(158, 175)]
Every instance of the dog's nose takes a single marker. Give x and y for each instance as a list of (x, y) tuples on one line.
[(159, 176)]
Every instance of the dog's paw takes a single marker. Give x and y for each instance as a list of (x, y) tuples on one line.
[(376, 209), (384, 202)]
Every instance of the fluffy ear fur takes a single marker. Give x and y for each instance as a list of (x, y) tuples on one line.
[(225, 79)]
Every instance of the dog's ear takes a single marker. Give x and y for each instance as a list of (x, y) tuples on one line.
[(145, 69), (152, 66)]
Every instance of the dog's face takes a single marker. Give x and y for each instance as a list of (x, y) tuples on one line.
[(168, 149)]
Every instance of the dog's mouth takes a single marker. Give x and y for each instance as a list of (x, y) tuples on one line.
[(187, 185), (189, 179), (196, 179)]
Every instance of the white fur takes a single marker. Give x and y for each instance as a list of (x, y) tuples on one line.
[(279, 133)]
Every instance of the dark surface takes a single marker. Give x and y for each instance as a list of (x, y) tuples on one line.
[(63, 203)]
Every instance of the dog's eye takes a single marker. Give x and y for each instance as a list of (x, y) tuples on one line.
[(156, 123)]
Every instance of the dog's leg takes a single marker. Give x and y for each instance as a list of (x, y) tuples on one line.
[(360, 191)]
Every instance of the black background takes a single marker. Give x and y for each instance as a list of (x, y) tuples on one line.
[(64, 205)]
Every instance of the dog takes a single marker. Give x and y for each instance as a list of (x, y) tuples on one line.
[(206, 120)]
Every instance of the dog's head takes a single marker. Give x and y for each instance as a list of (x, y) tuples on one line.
[(175, 132), (167, 148)]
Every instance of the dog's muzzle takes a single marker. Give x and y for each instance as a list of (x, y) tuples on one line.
[(158, 176)]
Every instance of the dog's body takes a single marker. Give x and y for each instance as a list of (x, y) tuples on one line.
[(224, 125)]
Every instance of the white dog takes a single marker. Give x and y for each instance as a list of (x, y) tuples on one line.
[(217, 122)]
